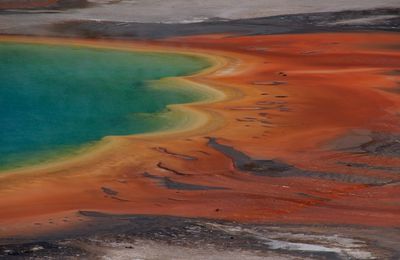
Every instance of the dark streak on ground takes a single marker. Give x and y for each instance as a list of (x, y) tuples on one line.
[(370, 167), (177, 155), (163, 167), (109, 191), (371, 143), (282, 24), (269, 83), (59, 5), (174, 185), (383, 144), (275, 168), (312, 196)]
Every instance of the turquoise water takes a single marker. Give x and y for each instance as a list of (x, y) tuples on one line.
[(57, 98)]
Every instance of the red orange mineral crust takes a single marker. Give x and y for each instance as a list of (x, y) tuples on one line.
[(313, 101)]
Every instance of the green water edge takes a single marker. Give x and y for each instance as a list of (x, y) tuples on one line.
[(159, 119)]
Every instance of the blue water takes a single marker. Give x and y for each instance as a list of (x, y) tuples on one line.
[(53, 98)]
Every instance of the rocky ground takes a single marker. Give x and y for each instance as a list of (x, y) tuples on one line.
[(158, 19), (107, 236)]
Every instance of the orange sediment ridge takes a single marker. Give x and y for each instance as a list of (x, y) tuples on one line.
[(308, 100)]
